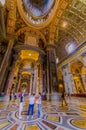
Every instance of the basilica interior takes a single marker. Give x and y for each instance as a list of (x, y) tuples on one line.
[(43, 49)]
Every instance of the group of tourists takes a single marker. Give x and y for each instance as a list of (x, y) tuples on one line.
[(32, 101), (12, 96)]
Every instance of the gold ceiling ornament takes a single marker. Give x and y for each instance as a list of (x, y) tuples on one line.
[(29, 54), (37, 22), (26, 73)]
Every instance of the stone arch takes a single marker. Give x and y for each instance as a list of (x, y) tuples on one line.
[(35, 33)]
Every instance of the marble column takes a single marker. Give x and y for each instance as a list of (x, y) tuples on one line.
[(37, 82), (34, 81), (83, 73), (19, 82), (41, 76), (10, 79), (31, 83), (13, 76), (5, 62), (68, 80), (52, 80)]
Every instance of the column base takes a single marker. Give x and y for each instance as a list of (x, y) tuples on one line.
[(49, 97), (56, 96)]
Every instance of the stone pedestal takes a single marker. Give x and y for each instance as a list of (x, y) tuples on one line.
[(48, 97), (56, 96)]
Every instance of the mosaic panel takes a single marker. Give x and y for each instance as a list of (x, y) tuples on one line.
[(63, 108), (80, 123), (4, 124), (49, 110), (2, 106), (3, 114), (14, 127), (72, 114), (33, 127), (50, 125), (53, 118)]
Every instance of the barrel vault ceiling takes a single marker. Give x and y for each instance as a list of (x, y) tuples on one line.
[(72, 27)]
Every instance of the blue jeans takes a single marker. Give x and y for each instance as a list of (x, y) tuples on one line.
[(31, 109), (39, 110)]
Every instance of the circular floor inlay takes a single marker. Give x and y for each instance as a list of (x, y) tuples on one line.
[(24, 116), (80, 123)]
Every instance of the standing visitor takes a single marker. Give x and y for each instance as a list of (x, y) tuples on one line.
[(39, 105), (15, 96), (10, 98), (20, 105), (63, 99), (43, 95), (68, 95), (31, 105)]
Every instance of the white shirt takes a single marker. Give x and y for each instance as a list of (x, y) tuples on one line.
[(31, 99), (40, 100)]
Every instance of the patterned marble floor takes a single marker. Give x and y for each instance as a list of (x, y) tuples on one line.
[(54, 116)]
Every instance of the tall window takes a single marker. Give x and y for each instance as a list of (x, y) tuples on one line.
[(70, 47)]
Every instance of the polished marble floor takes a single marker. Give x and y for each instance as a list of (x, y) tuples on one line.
[(53, 115)]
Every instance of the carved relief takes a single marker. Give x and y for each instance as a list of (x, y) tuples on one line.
[(19, 22), (32, 32), (11, 19)]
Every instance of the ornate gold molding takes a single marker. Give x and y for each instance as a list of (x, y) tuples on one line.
[(54, 25), (11, 19), (36, 33)]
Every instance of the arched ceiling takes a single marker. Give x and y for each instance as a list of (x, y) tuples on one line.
[(72, 27)]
